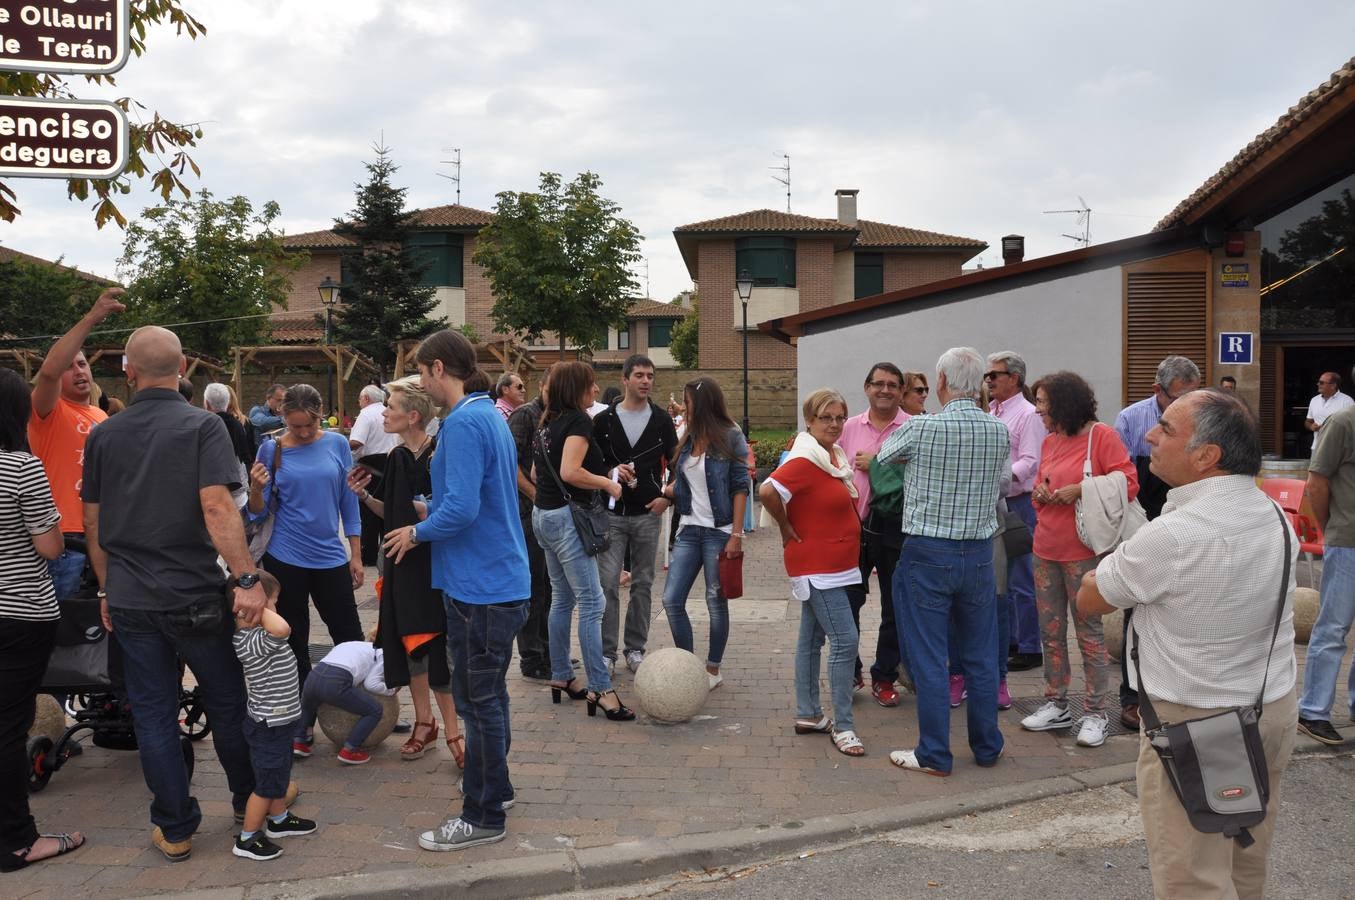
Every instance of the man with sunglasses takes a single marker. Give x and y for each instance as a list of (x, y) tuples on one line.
[(1330, 399), (880, 541)]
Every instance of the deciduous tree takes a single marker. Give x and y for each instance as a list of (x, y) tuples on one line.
[(684, 339), (40, 299)]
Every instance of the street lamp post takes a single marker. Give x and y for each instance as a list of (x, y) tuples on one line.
[(744, 285), (329, 295)]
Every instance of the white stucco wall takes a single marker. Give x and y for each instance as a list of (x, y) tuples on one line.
[(1075, 322)]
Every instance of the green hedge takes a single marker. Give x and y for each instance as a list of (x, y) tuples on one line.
[(770, 443)]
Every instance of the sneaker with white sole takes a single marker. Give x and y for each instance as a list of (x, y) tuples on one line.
[(714, 679), (258, 847), (1049, 717), (634, 658), (908, 761), (1092, 732), (454, 834)]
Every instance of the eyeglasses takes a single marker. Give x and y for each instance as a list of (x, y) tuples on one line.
[(992, 376), (831, 420), (1321, 382), (921, 391), (884, 385)]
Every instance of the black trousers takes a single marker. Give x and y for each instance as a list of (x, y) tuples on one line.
[(878, 552), (24, 649), (534, 638), (332, 591)]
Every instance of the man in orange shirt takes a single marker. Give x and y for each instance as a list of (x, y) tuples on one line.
[(61, 421)]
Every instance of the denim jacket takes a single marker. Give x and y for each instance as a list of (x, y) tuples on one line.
[(725, 477)]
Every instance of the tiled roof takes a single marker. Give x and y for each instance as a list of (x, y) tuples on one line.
[(879, 234), (453, 215), (1342, 79), (9, 255), (765, 220), (295, 330), (653, 309)]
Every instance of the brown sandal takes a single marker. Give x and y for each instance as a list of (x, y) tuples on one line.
[(457, 744), (424, 733)]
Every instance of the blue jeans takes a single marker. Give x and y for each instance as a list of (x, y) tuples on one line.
[(936, 580), (826, 613), (334, 685), (1021, 586), (1327, 644), (152, 644), (698, 548), (574, 582), (1004, 630), (65, 571), (480, 641)]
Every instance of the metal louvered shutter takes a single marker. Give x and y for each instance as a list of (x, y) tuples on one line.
[(1272, 416), (1166, 314)]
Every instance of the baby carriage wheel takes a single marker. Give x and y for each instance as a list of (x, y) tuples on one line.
[(193, 721), (41, 763)]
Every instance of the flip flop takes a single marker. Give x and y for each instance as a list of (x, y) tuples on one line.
[(66, 843)]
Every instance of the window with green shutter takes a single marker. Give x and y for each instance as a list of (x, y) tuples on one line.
[(661, 332), (770, 260), (870, 274), (441, 253)]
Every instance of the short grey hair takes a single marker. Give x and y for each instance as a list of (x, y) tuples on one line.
[(374, 394), (216, 397), (1014, 363), (963, 368), (1176, 368), (1225, 420)]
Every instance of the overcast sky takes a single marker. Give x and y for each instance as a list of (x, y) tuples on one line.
[(965, 118)]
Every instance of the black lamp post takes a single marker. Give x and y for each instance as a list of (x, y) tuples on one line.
[(329, 295), (744, 285)]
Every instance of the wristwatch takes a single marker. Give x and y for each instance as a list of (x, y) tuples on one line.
[(248, 580), (413, 537)]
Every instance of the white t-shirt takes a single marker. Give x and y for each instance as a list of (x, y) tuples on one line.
[(1321, 407), (596, 408), (368, 431), (364, 661), (694, 469)]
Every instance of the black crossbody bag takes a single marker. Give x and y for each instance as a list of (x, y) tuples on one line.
[(590, 521), (1217, 764)]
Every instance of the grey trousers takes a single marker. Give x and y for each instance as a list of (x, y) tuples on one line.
[(641, 535)]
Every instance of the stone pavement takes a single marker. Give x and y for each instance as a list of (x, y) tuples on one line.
[(591, 793)]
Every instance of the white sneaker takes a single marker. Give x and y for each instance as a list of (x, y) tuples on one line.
[(454, 834), (1092, 732), (634, 658), (715, 680), (1049, 717)]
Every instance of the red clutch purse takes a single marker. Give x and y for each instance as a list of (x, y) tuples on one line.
[(731, 576)]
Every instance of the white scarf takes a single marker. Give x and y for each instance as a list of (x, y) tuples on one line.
[(806, 446)]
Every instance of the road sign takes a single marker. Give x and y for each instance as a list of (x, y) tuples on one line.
[(1235, 348), (84, 37), (62, 138)]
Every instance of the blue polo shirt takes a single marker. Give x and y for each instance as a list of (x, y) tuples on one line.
[(479, 554)]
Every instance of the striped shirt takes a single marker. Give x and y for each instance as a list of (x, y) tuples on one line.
[(953, 477), (274, 692), (26, 509)]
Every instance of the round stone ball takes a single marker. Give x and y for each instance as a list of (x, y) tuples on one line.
[(671, 685), (50, 720), (1112, 624), (1306, 602), (337, 723)]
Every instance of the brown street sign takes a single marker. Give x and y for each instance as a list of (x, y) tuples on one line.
[(85, 37), (62, 138)]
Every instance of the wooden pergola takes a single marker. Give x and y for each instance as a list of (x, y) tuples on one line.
[(345, 360), (500, 352), (29, 361)]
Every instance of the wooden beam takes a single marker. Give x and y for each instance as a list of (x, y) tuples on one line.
[(192, 367)]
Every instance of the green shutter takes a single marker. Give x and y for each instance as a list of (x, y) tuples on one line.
[(660, 332), (870, 274), (441, 253), (769, 260)]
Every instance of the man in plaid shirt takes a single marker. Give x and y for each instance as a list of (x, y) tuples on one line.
[(954, 466)]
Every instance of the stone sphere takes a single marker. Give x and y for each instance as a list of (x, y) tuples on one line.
[(1306, 602), (337, 723), (671, 685), (50, 720), (1112, 624)]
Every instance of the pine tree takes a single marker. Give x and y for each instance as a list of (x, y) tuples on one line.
[(382, 300)]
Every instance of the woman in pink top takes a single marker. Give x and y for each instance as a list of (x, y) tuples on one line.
[(1067, 406)]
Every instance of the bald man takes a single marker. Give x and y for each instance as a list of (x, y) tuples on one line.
[(1328, 401), (158, 511)]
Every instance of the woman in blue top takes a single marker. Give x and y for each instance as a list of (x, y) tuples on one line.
[(305, 552)]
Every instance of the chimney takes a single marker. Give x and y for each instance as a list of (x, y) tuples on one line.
[(846, 206), (1013, 249)]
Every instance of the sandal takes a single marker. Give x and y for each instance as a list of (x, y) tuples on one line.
[(65, 843), (424, 733), (457, 745), (848, 744), (823, 725)]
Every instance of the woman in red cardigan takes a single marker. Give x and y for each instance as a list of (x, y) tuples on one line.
[(811, 497)]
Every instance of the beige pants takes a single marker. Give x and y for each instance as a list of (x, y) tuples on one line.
[(1187, 864)]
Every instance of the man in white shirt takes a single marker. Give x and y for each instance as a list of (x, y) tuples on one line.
[(1329, 400), (369, 438), (1204, 582)]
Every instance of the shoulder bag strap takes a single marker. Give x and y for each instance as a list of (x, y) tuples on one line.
[(274, 500), (1087, 463), (549, 468)]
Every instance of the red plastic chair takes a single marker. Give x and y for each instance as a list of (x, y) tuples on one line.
[(1288, 492), (1310, 540)]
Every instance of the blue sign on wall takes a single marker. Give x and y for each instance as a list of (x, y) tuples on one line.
[(1235, 348)]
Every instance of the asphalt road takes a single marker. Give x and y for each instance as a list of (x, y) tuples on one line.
[(1078, 846)]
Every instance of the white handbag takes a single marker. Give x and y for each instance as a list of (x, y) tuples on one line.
[(1105, 515)]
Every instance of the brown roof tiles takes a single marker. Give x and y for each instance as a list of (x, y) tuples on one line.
[(646, 308), (765, 220), (879, 234), (453, 215)]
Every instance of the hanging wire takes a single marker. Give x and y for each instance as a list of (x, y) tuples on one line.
[(33, 338)]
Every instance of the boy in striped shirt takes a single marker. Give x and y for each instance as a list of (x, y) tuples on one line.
[(274, 706)]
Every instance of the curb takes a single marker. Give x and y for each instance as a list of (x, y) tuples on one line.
[(627, 862)]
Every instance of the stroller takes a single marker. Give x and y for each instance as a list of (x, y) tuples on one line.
[(84, 674)]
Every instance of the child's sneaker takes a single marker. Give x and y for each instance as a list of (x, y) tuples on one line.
[(353, 757), (302, 748), (292, 826), (258, 847)]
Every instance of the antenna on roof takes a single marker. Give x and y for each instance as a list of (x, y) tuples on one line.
[(454, 161), (1084, 218), (784, 177), (645, 260)]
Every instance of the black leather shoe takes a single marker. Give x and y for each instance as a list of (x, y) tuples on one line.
[(1021, 662), (1321, 731)]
